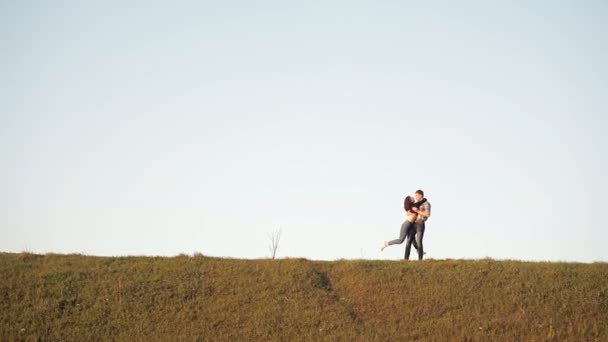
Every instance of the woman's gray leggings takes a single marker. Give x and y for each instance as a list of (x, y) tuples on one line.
[(406, 229)]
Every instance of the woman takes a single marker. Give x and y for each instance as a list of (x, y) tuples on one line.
[(407, 225)]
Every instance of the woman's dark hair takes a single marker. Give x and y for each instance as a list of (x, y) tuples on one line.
[(408, 203)]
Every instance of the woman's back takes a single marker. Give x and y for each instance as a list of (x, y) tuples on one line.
[(408, 204)]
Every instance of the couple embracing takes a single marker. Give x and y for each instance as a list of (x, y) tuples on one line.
[(412, 229)]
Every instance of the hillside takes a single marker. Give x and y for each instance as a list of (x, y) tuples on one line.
[(79, 298)]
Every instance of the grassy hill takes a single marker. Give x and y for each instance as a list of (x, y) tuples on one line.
[(75, 297)]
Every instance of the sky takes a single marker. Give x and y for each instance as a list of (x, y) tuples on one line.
[(160, 128)]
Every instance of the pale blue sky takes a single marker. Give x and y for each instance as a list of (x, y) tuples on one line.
[(142, 128)]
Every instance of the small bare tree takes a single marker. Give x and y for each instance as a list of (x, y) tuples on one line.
[(275, 238)]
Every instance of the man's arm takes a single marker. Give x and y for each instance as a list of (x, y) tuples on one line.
[(426, 211)]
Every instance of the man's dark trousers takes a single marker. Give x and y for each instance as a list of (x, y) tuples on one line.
[(419, 226)]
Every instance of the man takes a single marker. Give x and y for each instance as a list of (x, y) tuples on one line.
[(424, 212)]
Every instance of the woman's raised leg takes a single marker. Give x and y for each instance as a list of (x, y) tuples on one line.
[(402, 234)]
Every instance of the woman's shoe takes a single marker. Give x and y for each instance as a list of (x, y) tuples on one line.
[(384, 245)]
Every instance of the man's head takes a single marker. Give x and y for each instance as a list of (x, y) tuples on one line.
[(419, 195)]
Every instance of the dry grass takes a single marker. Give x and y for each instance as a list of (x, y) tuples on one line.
[(80, 298)]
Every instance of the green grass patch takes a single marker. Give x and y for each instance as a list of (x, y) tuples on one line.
[(75, 297)]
